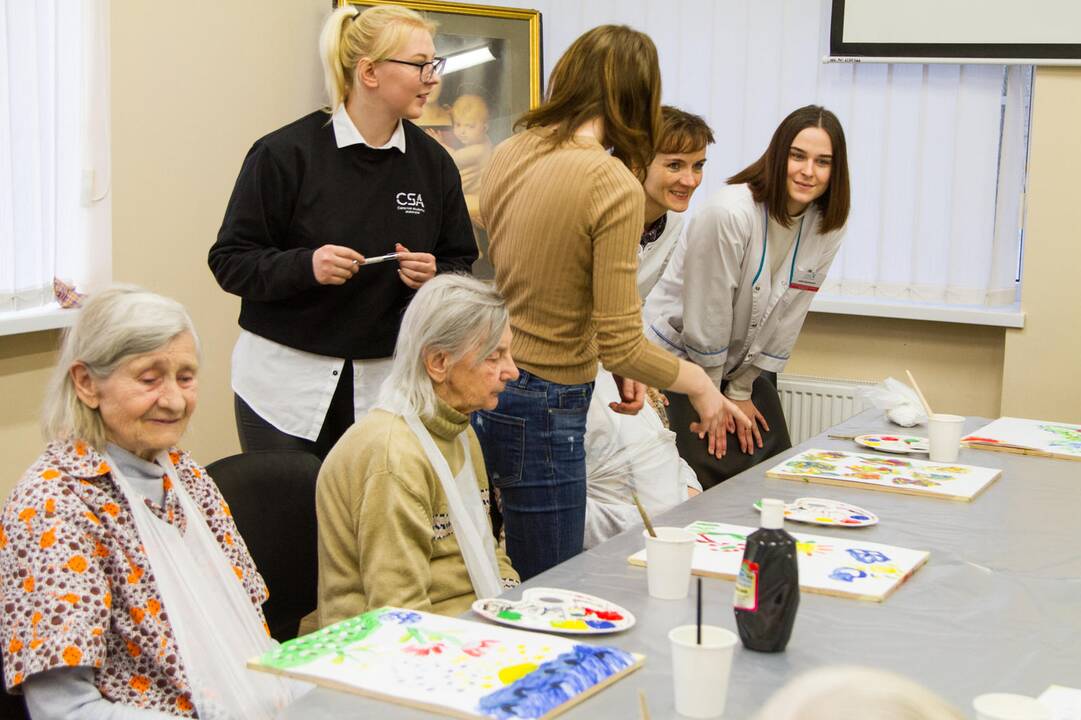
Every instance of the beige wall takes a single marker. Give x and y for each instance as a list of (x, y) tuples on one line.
[(1040, 376), (958, 367), (195, 83)]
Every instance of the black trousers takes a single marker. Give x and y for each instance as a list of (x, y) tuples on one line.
[(257, 434), (712, 471)]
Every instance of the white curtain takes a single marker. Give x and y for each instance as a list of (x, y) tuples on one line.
[(936, 198), (54, 153)]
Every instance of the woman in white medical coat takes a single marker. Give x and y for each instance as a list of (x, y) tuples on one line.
[(736, 292)]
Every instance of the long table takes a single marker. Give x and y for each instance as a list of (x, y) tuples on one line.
[(997, 607)]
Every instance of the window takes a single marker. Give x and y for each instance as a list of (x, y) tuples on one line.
[(54, 154)]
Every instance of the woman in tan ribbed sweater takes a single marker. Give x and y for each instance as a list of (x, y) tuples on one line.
[(564, 213)]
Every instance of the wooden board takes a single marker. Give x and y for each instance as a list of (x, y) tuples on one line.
[(1022, 436), (447, 666), (841, 567), (887, 473)]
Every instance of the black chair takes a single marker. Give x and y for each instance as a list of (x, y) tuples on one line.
[(12, 707), (272, 497)]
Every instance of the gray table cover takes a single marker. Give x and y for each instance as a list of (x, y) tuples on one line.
[(997, 607)]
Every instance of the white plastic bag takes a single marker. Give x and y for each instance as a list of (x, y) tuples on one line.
[(900, 402)]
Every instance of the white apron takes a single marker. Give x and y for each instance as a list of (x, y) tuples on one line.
[(468, 518), (216, 627)]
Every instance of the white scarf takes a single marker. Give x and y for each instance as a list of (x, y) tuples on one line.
[(467, 516), (216, 627)]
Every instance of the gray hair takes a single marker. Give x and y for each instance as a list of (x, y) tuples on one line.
[(453, 313), (852, 693), (118, 322)]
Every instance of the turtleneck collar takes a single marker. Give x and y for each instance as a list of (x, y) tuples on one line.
[(447, 423)]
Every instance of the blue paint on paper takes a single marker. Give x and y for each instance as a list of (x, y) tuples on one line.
[(402, 617), (860, 517), (847, 574), (555, 682), (868, 556)]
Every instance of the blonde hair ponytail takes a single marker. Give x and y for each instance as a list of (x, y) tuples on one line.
[(349, 35)]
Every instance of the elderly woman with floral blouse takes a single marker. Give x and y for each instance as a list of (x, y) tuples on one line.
[(114, 540)]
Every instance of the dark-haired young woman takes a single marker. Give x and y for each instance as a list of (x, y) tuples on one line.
[(734, 298), (564, 213)]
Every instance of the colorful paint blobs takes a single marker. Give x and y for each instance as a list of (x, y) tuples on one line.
[(823, 511), (556, 610), (894, 443), (835, 566), (555, 682), (449, 665), (1061, 440), (956, 482)]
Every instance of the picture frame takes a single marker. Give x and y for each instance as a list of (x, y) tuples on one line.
[(494, 74)]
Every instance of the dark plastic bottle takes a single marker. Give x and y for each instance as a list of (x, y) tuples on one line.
[(767, 588)]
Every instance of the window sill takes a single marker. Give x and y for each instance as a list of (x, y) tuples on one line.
[(49, 317), (1007, 316)]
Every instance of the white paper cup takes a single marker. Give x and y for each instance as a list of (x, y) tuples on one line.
[(700, 672), (668, 562), (945, 432), (1007, 706)]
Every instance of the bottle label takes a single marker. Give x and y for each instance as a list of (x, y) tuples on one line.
[(747, 586)]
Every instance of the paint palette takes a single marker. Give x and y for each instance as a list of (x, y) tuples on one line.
[(558, 611), (895, 443), (822, 511)]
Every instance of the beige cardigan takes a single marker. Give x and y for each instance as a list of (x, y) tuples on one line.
[(385, 536)]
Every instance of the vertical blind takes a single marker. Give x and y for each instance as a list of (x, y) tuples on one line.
[(54, 152), (936, 152)]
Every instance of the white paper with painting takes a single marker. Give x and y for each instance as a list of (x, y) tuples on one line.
[(1038, 437), (450, 666), (827, 565), (873, 471)]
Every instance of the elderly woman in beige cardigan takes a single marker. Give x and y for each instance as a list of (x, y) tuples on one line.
[(403, 497)]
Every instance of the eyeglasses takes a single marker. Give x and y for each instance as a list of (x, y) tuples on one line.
[(428, 70)]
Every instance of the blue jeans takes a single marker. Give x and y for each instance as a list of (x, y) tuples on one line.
[(534, 451)]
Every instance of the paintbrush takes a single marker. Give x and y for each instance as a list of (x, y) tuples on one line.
[(698, 614), (643, 706), (642, 512), (916, 387)]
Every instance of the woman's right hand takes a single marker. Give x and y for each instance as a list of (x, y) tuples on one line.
[(718, 416), (335, 264)]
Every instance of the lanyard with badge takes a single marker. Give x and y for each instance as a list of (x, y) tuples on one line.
[(798, 278)]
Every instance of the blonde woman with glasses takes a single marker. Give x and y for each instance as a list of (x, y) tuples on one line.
[(335, 221)]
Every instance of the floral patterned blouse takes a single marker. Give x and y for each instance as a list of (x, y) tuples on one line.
[(76, 585)]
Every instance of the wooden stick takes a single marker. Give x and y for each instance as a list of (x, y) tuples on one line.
[(916, 387), (643, 706), (642, 512)]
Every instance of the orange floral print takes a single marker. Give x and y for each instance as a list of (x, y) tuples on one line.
[(92, 517), (137, 615), (103, 468), (228, 538), (50, 507), (28, 584), (4, 538), (15, 645), (153, 607), (111, 509), (69, 598), (80, 448), (107, 600), (48, 538), (239, 573), (183, 704), (77, 563), (140, 683), (50, 474), (133, 649), (72, 655)]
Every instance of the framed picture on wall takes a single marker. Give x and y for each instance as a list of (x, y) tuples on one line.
[(493, 74)]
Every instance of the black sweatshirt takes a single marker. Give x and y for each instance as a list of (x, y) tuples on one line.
[(298, 191)]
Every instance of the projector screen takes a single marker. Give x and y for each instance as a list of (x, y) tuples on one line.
[(1032, 32)]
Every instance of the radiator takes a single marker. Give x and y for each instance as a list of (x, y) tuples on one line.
[(813, 404)]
